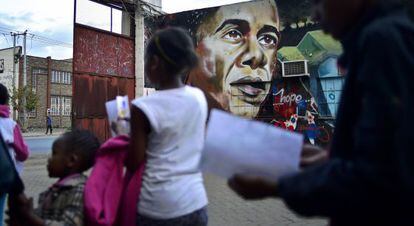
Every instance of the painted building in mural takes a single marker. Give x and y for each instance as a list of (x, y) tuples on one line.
[(241, 71), (321, 52)]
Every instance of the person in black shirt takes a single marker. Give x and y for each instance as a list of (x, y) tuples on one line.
[(368, 178)]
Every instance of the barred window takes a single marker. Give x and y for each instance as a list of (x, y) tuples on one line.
[(54, 105), (62, 77), (61, 106), (67, 106)]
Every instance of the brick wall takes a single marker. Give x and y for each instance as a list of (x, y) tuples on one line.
[(45, 92)]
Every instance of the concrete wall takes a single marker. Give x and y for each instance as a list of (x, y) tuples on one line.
[(6, 77)]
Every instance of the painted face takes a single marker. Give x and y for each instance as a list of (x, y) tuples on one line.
[(238, 47), (56, 164)]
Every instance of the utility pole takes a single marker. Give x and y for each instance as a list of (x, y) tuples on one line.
[(14, 70), (24, 82), (23, 118)]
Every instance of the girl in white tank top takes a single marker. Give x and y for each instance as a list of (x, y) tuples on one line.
[(167, 131)]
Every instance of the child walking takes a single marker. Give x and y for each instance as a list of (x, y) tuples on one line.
[(12, 136), (62, 204), (167, 131)]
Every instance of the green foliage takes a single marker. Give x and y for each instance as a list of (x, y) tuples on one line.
[(16, 99), (295, 12)]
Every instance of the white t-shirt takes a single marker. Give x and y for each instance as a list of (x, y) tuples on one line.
[(172, 182)]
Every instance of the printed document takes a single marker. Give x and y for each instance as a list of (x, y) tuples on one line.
[(236, 145)]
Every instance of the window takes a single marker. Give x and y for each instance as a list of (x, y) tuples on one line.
[(35, 72), (61, 77), (60, 106), (54, 75), (67, 106), (54, 105), (32, 114), (64, 78)]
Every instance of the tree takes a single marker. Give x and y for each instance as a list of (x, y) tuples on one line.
[(294, 12), (16, 99)]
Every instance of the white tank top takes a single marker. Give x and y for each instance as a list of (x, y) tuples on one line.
[(172, 182)]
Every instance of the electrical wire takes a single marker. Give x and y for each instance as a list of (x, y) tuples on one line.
[(6, 39)]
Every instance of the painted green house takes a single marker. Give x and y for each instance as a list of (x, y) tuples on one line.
[(321, 53)]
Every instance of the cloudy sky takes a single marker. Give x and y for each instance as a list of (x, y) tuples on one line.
[(49, 22)]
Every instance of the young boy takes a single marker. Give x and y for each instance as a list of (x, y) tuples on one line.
[(62, 204)]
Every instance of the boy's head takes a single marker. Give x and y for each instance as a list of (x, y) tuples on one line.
[(4, 95), (73, 152)]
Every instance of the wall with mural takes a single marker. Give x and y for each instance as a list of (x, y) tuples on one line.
[(245, 70)]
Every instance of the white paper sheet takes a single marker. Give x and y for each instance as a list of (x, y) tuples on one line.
[(239, 146), (118, 115)]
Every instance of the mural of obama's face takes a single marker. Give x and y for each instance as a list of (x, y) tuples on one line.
[(238, 49)]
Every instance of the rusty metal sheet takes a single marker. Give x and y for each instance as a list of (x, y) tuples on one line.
[(97, 126), (103, 67), (102, 52)]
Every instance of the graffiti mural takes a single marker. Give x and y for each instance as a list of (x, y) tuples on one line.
[(241, 70)]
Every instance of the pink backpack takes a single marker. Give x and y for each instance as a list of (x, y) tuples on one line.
[(110, 195)]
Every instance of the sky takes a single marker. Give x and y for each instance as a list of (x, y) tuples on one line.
[(50, 22)]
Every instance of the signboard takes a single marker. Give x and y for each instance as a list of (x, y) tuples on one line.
[(1, 65)]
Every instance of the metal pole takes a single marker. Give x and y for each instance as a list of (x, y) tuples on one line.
[(14, 69), (14, 63), (111, 19), (24, 82)]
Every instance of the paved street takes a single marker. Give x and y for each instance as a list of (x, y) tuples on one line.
[(225, 208), (40, 145)]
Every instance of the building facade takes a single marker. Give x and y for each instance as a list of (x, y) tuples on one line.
[(51, 81), (9, 62)]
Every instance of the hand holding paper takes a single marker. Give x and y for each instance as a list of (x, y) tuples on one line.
[(239, 146)]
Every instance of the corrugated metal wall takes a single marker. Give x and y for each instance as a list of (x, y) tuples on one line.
[(103, 67)]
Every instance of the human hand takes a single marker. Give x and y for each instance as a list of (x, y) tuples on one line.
[(252, 187), (312, 155), (13, 219), (16, 204)]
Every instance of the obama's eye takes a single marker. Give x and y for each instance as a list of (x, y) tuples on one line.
[(268, 41), (233, 35)]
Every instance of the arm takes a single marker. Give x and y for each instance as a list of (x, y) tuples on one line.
[(360, 180), (20, 147), (140, 129), (357, 180)]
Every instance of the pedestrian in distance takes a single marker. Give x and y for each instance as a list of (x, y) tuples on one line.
[(49, 124)]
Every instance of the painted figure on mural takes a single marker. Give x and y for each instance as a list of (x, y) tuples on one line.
[(243, 50), (238, 72), (238, 53)]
